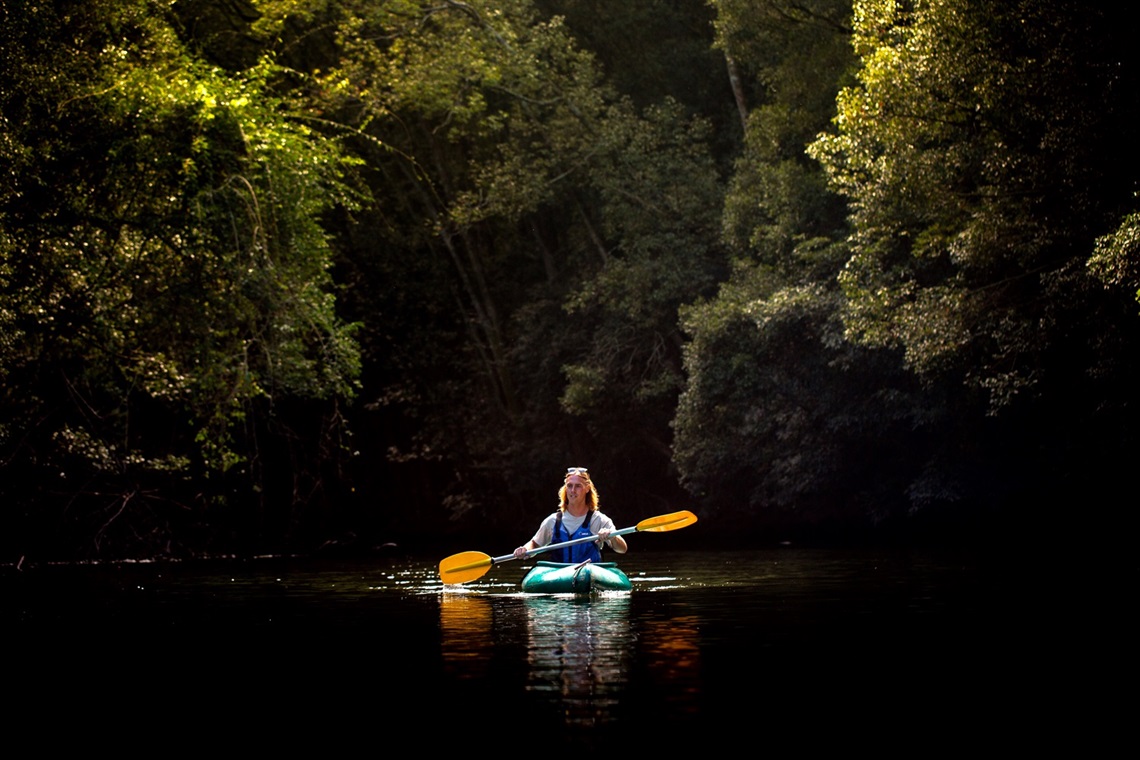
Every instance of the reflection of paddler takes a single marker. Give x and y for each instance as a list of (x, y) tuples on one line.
[(579, 650), (466, 622)]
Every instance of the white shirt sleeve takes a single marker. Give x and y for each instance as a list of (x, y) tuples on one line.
[(601, 521), (545, 531)]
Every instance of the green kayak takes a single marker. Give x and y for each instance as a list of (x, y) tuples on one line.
[(582, 578)]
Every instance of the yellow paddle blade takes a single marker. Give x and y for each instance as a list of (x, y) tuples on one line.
[(463, 567), (671, 521)]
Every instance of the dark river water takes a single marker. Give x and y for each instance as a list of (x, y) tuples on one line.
[(898, 650)]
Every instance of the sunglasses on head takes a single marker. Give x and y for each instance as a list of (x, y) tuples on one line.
[(576, 471)]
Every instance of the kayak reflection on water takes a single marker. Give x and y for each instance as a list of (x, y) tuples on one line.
[(579, 652)]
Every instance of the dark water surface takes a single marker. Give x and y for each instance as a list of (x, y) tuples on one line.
[(903, 650)]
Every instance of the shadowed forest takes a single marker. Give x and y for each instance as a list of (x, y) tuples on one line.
[(300, 275)]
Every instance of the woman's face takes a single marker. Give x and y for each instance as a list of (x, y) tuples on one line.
[(576, 489)]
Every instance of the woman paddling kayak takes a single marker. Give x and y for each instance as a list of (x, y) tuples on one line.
[(578, 516)]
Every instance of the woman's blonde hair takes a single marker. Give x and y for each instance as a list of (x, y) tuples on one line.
[(592, 498)]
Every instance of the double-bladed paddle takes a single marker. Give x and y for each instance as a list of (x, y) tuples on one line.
[(467, 566)]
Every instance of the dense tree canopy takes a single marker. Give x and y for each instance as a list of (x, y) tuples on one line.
[(275, 273), (985, 150), (549, 225), (164, 277)]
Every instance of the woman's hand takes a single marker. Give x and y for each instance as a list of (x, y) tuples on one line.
[(520, 552), (617, 543)]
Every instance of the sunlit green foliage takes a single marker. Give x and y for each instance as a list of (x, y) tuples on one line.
[(164, 271), (981, 152), (1116, 260), (987, 152)]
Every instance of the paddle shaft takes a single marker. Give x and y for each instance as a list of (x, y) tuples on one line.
[(548, 547)]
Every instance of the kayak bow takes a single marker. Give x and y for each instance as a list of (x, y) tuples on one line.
[(581, 578)]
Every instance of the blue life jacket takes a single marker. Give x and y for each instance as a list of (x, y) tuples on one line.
[(587, 550)]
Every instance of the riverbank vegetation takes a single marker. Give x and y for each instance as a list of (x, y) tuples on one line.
[(284, 275)]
